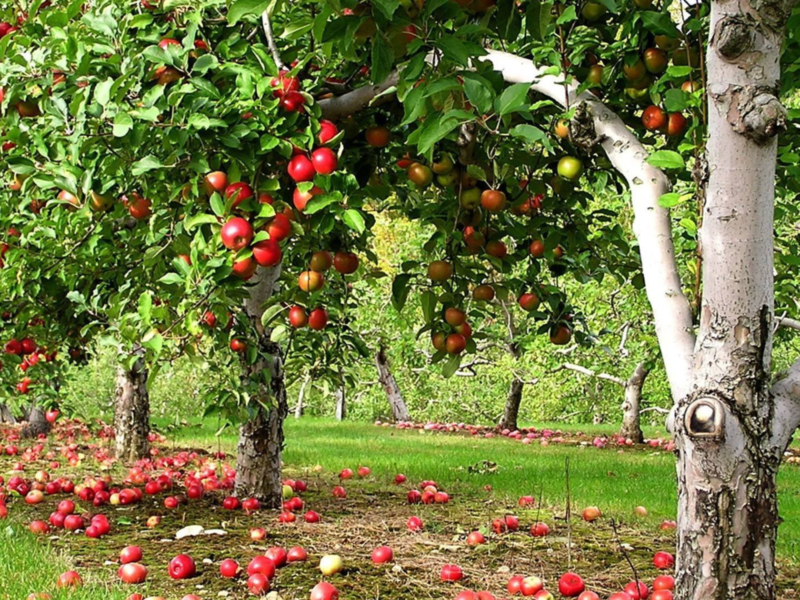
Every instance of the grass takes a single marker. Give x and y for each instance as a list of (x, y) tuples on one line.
[(616, 481), (27, 565), (375, 513)]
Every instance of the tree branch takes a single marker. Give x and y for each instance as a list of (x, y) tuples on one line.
[(589, 373), (786, 419), (273, 48), (671, 310), (789, 323), (352, 102)]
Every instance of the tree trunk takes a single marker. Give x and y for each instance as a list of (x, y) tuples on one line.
[(727, 461), (132, 413), (513, 401), (387, 380), (341, 403), (299, 409), (631, 427), (36, 423), (6, 416), (258, 456)]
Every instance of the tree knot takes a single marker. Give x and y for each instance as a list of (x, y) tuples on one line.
[(733, 37), (756, 113), (581, 127)]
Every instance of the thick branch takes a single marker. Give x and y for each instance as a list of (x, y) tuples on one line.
[(350, 103), (673, 316), (273, 48), (787, 407)]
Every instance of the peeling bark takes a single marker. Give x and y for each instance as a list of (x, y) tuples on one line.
[(258, 454), (513, 401), (389, 383), (131, 413), (631, 406)]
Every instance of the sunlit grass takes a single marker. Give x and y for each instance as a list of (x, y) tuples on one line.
[(615, 481), (29, 566)]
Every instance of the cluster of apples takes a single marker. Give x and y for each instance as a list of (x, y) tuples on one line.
[(453, 340), (431, 493), (31, 354), (313, 280), (654, 62)]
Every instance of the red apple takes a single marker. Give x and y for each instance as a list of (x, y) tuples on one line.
[(267, 253), (324, 591), (181, 567), (414, 524), (296, 554), (571, 585), (130, 554), (324, 160), (637, 590), (380, 555), (229, 568), (664, 582), (132, 573), (258, 584), (262, 565), (301, 168), (237, 233), (663, 560), (451, 573)]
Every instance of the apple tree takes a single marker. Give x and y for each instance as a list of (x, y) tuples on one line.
[(165, 180), (667, 104)]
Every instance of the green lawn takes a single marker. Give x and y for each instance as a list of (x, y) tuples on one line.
[(615, 481)]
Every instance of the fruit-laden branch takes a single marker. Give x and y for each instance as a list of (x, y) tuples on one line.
[(787, 406), (350, 103), (673, 316)]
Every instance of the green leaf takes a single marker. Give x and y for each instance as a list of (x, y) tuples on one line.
[(217, 204), (354, 220), (454, 49), (675, 100), (123, 123), (102, 91), (513, 99), (317, 203), (171, 279), (669, 200), (451, 366), (145, 308), (479, 91), (568, 16), (428, 300), (242, 8), (203, 64), (197, 220), (148, 163), (387, 8), (270, 313), (530, 133), (278, 334), (659, 23), (400, 289), (508, 20), (666, 159), (537, 19), (382, 59), (154, 344)]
